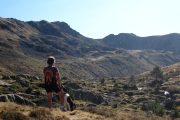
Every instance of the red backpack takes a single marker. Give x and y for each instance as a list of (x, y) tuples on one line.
[(50, 75)]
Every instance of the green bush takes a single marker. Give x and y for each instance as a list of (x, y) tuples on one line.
[(157, 108), (16, 86)]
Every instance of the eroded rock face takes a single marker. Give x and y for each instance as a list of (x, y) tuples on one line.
[(87, 96), (15, 98)]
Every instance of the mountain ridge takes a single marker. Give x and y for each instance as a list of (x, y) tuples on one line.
[(25, 44), (168, 42)]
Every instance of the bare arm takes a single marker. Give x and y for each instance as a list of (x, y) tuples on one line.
[(58, 76)]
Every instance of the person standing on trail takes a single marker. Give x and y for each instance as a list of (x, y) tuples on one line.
[(53, 83)]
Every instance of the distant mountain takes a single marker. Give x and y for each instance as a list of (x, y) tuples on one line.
[(24, 44), (169, 42), (24, 47)]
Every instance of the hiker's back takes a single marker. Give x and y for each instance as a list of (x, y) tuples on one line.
[(50, 75)]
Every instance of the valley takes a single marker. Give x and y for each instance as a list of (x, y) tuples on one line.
[(112, 78)]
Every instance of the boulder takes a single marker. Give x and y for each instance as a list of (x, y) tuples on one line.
[(139, 99), (87, 96), (72, 86), (5, 84), (24, 76), (24, 82), (15, 98), (127, 87), (114, 105), (105, 103), (6, 77), (91, 105), (41, 101), (35, 78), (129, 93)]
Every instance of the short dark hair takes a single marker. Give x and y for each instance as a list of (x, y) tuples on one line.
[(50, 60)]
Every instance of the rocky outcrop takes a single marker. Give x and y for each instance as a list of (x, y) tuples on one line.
[(72, 86), (20, 77), (15, 98), (23, 82), (87, 96), (5, 84)]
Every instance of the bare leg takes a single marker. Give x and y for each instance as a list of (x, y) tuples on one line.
[(61, 97), (61, 100), (49, 99)]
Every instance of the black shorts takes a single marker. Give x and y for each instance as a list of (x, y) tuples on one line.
[(52, 88)]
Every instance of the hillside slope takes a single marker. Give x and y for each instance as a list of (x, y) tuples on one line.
[(24, 47)]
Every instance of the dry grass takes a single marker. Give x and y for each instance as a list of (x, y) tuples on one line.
[(12, 111), (123, 114)]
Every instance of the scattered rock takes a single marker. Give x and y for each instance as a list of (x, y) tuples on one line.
[(114, 105), (4, 84), (15, 98), (72, 86), (123, 102), (23, 82), (140, 99), (42, 101), (91, 105), (105, 103), (6, 77), (87, 96), (20, 76), (129, 93), (127, 87), (35, 78)]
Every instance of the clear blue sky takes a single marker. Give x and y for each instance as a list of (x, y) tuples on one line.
[(98, 18)]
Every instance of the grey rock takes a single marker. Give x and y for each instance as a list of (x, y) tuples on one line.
[(5, 84), (91, 105), (23, 82), (87, 96), (129, 93), (72, 86), (35, 78), (6, 77), (15, 98), (114, 105), (105, 103)]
